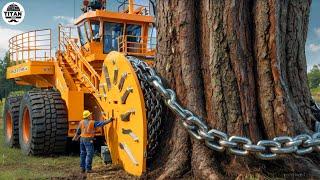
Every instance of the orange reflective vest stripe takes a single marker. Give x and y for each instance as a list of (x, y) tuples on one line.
[(87, 129)]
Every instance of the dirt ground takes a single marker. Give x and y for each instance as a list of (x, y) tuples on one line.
[(100, 172), (103, 172)]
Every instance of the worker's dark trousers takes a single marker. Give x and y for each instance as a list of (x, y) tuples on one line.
[(86, 155)]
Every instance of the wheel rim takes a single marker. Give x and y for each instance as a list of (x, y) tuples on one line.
[(26, 125), (9, 130)]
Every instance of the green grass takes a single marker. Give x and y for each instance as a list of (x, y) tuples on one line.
[(15, 165)]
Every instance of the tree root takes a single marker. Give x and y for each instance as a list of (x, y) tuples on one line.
[(204, 166), (178, 162)]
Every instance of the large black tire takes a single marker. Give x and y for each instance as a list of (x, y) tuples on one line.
[(153, 105), (11, 121), (43, 124)]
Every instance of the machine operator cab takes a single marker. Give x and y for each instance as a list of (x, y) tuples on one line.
[(128, 30)]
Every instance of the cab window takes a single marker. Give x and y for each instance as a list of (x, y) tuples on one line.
[(86, 24), (111, 33), (82, 35), (133, 33), (95, 26), (152, 34)]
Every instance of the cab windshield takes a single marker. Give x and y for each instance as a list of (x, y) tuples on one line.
[(95, 26), (111, 33), (133, 33), (82, 35)]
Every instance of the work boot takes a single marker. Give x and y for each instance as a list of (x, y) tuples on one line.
[(83, 170), (89, 171)]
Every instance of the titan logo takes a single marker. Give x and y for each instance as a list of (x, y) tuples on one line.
[(13, 13)]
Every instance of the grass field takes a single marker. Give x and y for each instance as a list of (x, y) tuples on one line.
[(15, 165)]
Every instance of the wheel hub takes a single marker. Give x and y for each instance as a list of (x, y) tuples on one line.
[(9, 130), (26, 125)]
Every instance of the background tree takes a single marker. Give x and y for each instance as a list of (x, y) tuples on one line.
[(314, 77), (8, 85), (240, 65)]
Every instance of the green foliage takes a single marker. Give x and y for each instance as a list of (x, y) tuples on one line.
[(8, 85), (314, 77)]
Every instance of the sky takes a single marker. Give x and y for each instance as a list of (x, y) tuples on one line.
[(49, 13), (313, 39)]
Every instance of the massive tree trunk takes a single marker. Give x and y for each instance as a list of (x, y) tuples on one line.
[(241, 65)]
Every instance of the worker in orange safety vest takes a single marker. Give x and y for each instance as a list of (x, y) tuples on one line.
[(86, 132)]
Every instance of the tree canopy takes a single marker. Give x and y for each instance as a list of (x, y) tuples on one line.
[(8, 85), (314, 77)]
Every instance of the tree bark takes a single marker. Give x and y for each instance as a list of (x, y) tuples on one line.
[(241, 65)]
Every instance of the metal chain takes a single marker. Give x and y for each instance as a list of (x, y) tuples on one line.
[(220, 141), (153, 108)]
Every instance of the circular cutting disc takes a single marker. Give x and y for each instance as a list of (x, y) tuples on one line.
[(122, 99)]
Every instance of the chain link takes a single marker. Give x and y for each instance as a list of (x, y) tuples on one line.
[(220, 141), (153, 110)]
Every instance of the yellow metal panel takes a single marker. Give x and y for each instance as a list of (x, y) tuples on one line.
[(60, 82), (95, 51), (125, 150), (22, 82), (96, 56), (30, 68), (74, 100), (40, 81), (75, 104)]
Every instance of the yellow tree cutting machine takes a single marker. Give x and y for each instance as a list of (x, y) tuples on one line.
[(89, 71), (98, 70)]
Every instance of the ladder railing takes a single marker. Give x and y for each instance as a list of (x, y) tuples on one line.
[(137, 45), (85, 72)]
